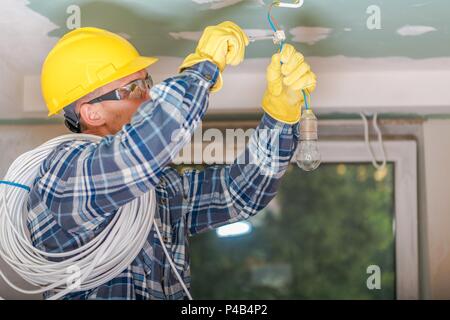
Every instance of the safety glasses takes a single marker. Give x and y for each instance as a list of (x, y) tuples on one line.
[(137, 89)]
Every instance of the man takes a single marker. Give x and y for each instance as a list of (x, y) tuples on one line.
[(101, 83)]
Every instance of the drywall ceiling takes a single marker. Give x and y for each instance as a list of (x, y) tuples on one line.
[(354, 63), (417, 29)]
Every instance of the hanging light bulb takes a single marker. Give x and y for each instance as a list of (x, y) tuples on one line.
[(308, 156)]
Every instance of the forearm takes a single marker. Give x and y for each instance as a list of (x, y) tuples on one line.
[(236, 192), (255, 175), (271, 147)]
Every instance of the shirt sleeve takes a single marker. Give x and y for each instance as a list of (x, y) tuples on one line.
[(221, 195), (85, 181)]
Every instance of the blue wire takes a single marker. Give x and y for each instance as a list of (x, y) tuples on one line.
[(305, 96), (281, 46), (271, 22), (18, 185), (281, 49)]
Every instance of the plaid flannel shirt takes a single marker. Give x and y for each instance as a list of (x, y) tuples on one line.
[(81, 185)]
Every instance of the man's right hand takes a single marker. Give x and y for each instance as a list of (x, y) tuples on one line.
[(223, 45)]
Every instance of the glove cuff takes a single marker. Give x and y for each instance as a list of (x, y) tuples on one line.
[(280, 110), (194, 59)]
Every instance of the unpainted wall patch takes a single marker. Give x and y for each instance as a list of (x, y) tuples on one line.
[(414, 31), (220, 4), (195, 35), (186, 35), (310, 35)]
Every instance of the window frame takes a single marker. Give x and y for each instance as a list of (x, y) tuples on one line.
[(403, 154)]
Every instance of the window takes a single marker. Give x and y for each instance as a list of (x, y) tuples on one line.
[(322, 232)]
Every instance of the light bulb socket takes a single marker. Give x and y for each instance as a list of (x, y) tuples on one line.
[(308, 126)]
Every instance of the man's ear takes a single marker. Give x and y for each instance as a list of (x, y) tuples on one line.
[(92, 114)]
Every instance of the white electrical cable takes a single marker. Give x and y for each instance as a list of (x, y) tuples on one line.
[(380, 141), (172, 264), (99, 261)]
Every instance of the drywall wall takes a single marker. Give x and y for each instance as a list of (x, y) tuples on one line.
[(345, 85), (11, 86)]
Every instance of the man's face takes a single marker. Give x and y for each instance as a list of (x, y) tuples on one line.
[(108, 117)]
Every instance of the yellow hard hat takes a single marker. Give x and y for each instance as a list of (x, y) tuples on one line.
[(84, 60)]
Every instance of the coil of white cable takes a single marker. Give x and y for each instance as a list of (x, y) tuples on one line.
[(100, 260)]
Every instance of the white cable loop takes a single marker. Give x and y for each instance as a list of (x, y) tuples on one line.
[(99, 261), (172, 264), (380, 141)]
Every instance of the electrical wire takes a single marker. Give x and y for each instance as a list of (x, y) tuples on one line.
[(380, 141), (306, 97), (99, 261), (275, 28), (274, 23), (172, 264)]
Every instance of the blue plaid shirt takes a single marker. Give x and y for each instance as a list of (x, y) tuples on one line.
[(81, 185)]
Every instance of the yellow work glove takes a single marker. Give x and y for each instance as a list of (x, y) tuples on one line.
[(287, 75), (223, 45)]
